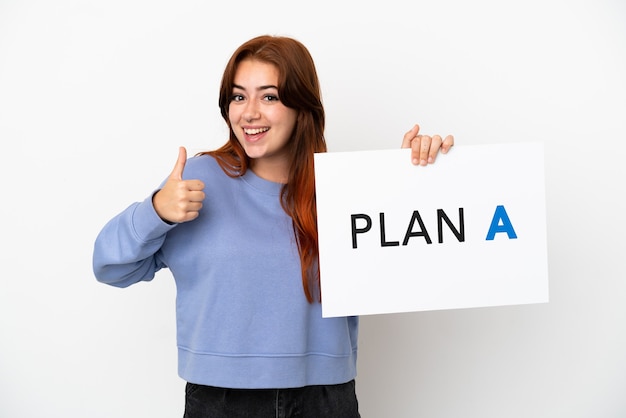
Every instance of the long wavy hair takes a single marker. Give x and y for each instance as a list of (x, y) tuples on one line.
[(299, 89)]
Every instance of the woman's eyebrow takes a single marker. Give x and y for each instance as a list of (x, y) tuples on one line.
[(269, 86)]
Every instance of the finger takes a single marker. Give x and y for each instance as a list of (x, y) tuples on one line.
[(447, 144), (194, 185), (193, 207), (408, 137), (177, 172), (435, 145), (415, 149), (190, 216), (196, 196), (424, 149)]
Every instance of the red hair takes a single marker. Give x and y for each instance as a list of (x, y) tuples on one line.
[(299, 89)]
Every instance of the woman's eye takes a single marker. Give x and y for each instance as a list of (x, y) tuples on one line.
[(271, 98), (236, 98)]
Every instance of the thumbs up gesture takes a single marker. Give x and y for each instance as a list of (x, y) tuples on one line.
[(179, 200)]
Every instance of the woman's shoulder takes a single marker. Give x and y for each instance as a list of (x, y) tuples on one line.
[(205, 167), (201, 166)]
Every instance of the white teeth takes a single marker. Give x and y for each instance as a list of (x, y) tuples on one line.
[(255, 131)]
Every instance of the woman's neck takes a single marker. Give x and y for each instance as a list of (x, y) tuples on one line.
[(277, 172)]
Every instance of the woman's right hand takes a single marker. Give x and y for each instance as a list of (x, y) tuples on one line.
[(179, 200)]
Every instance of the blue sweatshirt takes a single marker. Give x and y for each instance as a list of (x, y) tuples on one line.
[(242, 318)]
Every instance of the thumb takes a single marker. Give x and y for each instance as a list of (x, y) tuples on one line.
[(410, 135), (177, 172)]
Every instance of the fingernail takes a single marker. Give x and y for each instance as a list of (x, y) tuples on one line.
[(415, 161)]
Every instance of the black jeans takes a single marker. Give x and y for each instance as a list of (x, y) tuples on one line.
[(328, 401)]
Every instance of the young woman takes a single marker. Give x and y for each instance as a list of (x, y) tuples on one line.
[(237, 228)]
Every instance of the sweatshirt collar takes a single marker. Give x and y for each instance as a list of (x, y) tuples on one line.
[(261, 184)]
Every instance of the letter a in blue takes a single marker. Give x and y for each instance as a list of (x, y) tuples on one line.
[(501, 223)]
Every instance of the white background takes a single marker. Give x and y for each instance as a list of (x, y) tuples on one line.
[(96, 96)]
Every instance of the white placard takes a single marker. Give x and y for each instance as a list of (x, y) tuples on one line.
[(467, 231)]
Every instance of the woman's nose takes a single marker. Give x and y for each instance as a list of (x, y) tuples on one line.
[(251, 111)]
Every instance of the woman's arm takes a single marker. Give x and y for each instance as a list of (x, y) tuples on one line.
[(125, 251)]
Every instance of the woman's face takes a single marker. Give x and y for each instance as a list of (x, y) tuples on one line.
[(261, 122)]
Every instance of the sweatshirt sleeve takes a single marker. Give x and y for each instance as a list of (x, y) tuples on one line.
[(126, 249)]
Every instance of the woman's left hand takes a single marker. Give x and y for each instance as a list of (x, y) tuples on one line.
[(424, 147)]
